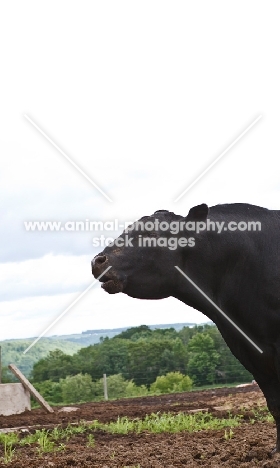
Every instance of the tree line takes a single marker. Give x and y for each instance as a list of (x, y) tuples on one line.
[(136, 358)]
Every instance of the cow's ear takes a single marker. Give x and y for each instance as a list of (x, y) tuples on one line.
[(198, 213)]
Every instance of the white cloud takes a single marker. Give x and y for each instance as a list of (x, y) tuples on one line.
[(142, 97), (49, 275), (29, 317)]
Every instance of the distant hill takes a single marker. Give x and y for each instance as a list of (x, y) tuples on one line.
[(89, 337), (12, 351)]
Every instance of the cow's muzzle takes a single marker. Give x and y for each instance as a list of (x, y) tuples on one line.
[(111, 283)]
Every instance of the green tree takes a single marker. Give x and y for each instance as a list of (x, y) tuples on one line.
[(77, 388), (172, 382), (229, 369), (132, 390), (186, 334), (55, 366), (203, 359), (140, 332), (85, 361), (108, 357), (50, 390), (150, 358)]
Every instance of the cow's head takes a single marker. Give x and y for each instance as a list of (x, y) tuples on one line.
[(142, 258)]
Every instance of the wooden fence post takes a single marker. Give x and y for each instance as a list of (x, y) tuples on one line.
[(105, 387)]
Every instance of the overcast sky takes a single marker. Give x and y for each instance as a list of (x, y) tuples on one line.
[(142, 96)]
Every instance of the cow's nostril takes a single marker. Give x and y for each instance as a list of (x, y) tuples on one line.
[(100, 259)]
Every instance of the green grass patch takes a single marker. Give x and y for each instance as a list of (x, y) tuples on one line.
[(54, 440), (168, 422), (8, 441)]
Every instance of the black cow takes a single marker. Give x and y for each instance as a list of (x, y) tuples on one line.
[(237, 269)]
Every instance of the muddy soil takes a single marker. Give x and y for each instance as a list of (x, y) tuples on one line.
[(250, 445), (232, 398)]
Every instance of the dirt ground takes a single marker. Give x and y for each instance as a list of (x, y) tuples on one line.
[(250, 445)]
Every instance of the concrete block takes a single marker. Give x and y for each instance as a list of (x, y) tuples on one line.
[(14, 399)]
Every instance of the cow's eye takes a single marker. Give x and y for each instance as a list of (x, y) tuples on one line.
[(117, 251)]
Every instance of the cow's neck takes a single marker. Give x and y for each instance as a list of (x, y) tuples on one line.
[(217, 270)]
